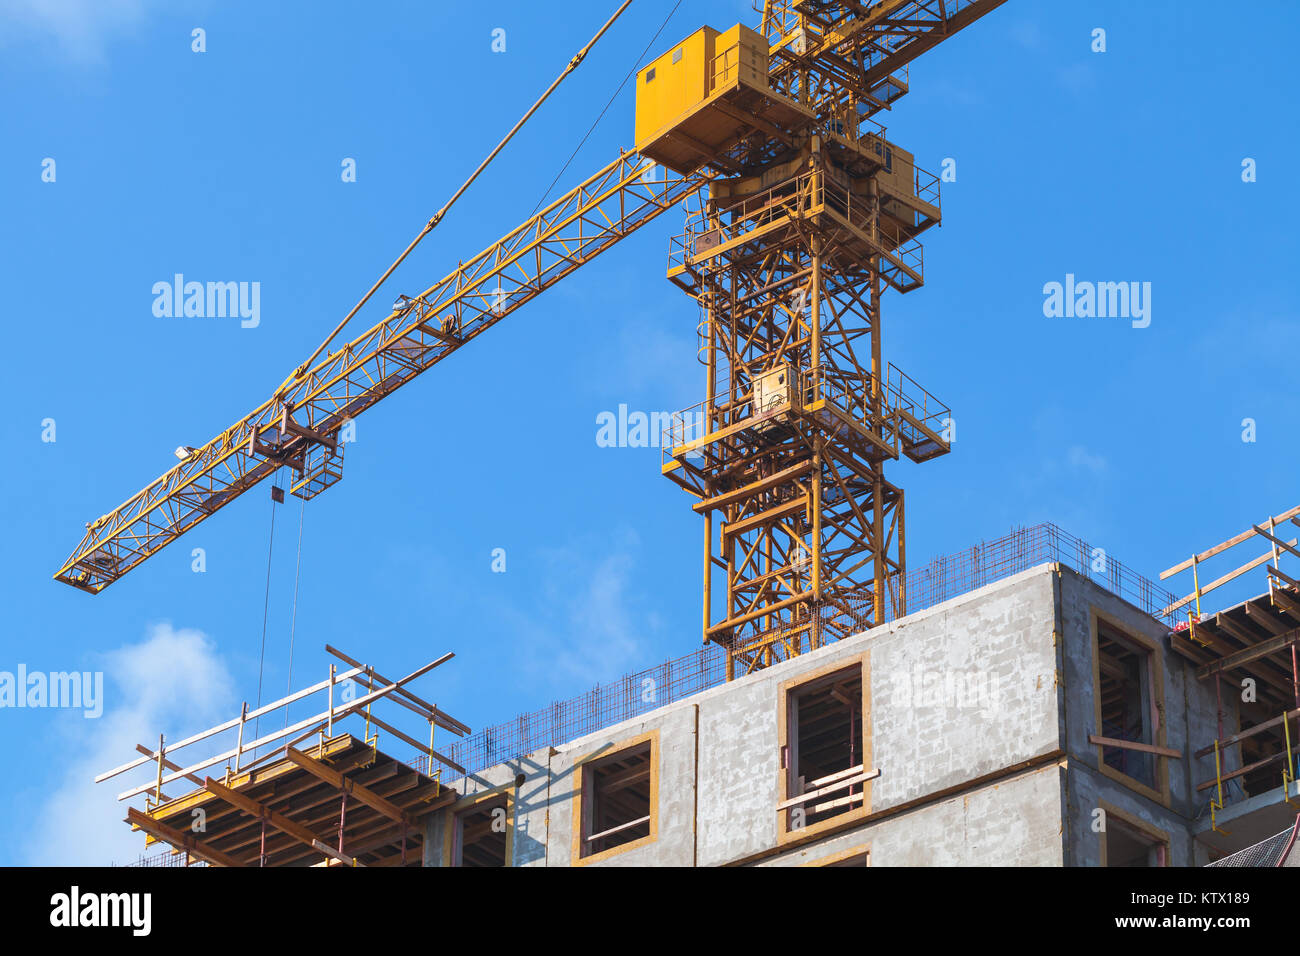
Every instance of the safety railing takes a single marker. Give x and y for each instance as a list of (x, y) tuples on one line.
[(903, 267), (798, 196), (845, 121), (849, 394), (349, 696), (1283, 752), (724, 68), (693, 423), (925, 185), (792, 198), (904, 394), (167, 858), (698, 420), (680, 249)]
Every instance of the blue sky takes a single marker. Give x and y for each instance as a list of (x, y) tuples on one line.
[(1117, 166)]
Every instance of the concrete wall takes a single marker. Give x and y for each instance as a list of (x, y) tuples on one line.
[(674, 839), (528, 809), (542, 822), (979, 713), (959, 692), (1013, 822), (963, 705), (1189, 717)]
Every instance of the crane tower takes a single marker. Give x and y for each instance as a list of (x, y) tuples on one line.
[(813, 216)]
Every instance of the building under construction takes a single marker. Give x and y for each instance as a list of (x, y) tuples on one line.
[(1015, 705), (1034, 710)]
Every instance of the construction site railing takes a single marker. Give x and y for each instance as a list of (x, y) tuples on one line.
[(905, 394), (802, 195), (853, 397), (925, 186)]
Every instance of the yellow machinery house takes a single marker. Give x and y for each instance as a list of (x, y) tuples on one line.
[(704, 94)]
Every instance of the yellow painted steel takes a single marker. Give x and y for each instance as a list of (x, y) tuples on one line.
[(673, 85), (548, 246), (1217, 805), (676, 121), (740, 55), (1288, 771)]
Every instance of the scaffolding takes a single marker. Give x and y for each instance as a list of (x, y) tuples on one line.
[(309, 793), (1252, 646)]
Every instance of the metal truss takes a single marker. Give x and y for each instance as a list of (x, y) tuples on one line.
[(300, 427)]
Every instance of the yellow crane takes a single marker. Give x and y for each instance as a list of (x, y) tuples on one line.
[(806, 214)]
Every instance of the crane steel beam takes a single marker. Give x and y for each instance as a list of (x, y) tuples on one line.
[(303, 422), (858, 45)]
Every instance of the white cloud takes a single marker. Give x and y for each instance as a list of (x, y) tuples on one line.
[(81, 29), (601, 616), (1082, 459), (172, 681), (594, 619), (654, 354)]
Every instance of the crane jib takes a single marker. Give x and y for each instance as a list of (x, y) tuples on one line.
[(306, 419)]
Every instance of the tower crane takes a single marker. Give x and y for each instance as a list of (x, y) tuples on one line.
[(807, 213)]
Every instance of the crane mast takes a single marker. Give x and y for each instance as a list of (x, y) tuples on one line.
[(810, 222), (808, 214)]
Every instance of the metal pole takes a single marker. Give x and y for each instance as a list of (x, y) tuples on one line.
[(877, 401), (157, 794), (343, 816), (329, 725), (239, 741)]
